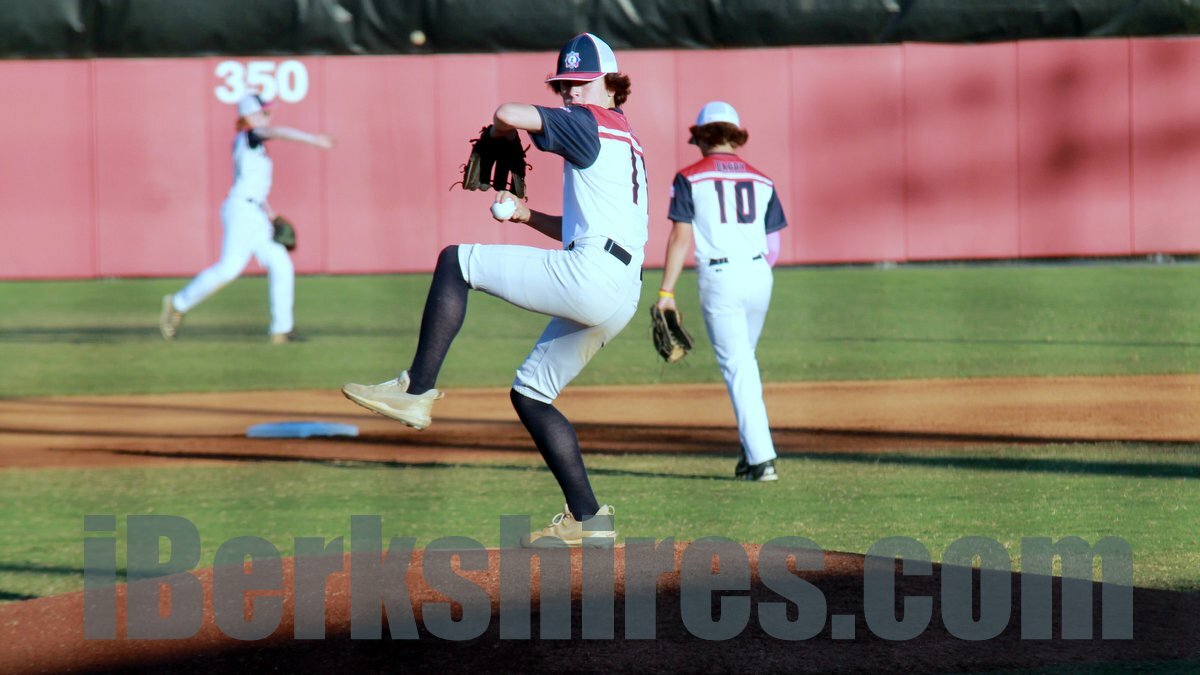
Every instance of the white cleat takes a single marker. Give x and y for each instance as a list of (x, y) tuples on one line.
[(565, 531), (391, 399)]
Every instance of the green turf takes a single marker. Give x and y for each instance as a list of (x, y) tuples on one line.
[(1143, 494), (825, 324)]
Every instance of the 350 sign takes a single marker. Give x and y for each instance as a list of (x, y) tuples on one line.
[(287, 80)]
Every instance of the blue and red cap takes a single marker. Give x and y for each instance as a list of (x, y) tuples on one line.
[(584, 58)]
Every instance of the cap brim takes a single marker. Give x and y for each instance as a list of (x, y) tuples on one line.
[(576, 77)]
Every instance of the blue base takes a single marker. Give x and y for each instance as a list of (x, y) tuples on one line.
[(300, 430)]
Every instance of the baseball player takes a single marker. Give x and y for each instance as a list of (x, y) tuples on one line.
[(732, 212), (246, 219), (589, 287)]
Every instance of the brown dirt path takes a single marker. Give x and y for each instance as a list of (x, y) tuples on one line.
[(806, 417)]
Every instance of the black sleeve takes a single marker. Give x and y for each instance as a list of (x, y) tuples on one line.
[(570, 132), (775, 219), (682, 208), (253, 139)]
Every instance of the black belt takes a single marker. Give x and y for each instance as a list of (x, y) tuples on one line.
[(614, 248), (722, 261)]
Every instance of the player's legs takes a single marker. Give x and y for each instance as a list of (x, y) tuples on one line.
[(281, 285), (237, 245), (583, 284), (578, 285), (445, 310), (756, 308), (555, 438), (734, 306), (562, 351)]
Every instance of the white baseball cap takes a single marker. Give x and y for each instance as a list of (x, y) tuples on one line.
[(718, 111), (250, 104), (583, 59)]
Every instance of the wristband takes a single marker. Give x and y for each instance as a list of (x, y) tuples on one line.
[(665, 294)]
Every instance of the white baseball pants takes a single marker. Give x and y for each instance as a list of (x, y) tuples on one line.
[(734, 297), (247, 232), (590, 294)]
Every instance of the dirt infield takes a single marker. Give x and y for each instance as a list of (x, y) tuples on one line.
[(46, 634), (805, 417)]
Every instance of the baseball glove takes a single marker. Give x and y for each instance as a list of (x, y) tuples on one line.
[(284, 233), (497, 163), (671, 339)]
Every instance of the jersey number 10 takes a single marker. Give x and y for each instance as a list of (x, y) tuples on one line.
[(743, 193)]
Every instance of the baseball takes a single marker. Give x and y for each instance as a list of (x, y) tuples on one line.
[(504, 210), (417, 37)]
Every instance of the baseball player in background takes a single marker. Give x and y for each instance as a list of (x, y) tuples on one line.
[(246, 220), (732, 213), (590, 286)]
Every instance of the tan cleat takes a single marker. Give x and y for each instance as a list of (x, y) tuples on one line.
[(169, 320), (565, 531), (391, 399), (285, 338)]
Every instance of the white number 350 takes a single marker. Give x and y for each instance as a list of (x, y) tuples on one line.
[(288, 80)]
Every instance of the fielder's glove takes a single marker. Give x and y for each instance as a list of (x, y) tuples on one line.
[(284, 233), (497, 163), (671, 340)]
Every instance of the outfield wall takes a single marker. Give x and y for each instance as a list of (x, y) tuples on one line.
[(898, 153)]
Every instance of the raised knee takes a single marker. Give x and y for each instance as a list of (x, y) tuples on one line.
[(448, 263)]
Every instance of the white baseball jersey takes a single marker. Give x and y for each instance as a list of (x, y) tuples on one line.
[(731, 205), (252, 168), (604, 173), (592, 285)]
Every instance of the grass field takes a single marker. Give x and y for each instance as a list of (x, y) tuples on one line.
[(59, 338), (826, 324), (842, 503)]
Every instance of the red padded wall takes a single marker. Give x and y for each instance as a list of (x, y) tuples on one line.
[(1074, 157), (1166, 145), (47, 226), (881, 153), (960, 114), (847, 143), (381, 216), (152, 210)]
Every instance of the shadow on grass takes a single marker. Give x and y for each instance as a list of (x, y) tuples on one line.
[(400, 464), (149, 333), (32, 568), (1050, 465), (1040, 342), (1031, 465)]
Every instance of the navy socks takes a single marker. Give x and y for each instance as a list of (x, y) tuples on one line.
[(445, 309), (555, 438)]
